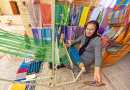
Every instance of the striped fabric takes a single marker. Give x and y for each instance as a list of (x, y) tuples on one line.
[(66, 15), (95, 14), (46, 35), (118, 18), (31, 87)]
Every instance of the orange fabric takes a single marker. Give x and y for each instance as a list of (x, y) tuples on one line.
[(13, 7), (46, 14), (119, 5)]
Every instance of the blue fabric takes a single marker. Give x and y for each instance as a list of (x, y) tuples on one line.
[(56, 31), (21, 80), (23, 66), (46, 35), (125, 2), (95, 14), (64, 31), (74, 54)]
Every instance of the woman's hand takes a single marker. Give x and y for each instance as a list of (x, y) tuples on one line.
[(97, 76), (67, 45)]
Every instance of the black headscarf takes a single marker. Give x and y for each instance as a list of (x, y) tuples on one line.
[(87, 39)]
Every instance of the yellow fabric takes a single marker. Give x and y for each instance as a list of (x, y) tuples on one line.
[(18, 86), (84, 16)]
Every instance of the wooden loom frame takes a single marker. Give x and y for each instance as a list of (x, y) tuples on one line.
[(54, 72)]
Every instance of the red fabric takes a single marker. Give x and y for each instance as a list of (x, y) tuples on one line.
[(46, 14), (104, 40), (21, 70)]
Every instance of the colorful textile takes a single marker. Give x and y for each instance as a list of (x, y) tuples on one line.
[(95, 14), (74, 11), (104, 22), (107, 31), (46, 35), (70, 32), (18, 86), (104, 40), (23, 66), (46, 14), (35, 36), (21, 75), (58, 14), (62, 34), (79, 15), (22, 70), (34, 15), (113, 32), (84, 16), (125, 2), (66, 15), (31, 87)]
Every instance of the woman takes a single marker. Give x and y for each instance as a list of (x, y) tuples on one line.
[(91, 48)]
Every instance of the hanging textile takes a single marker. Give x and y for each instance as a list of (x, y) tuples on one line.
[(46, 35), (107, 31), (35, 36), (34, 1), (46, 14), (106, 3), (84, 16), (34, 15), (113, 32), (66, 15), (74, 11), (125, 2), (79, 31), (104, 22), (18, 86), (58, 15), (70, 32), (62, 34), (22, 70), (79, 15), (95, 14), (101, 16)]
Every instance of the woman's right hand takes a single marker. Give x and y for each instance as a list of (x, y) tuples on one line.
[(67, 45)]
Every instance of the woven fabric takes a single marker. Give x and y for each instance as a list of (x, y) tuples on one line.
[(46, 35), (84, 16), (62, 34), (104, 22), (22, 70), (21, 75), (95, 14), (79, 15), (34, 15), (58, 14), (18, 86), (79, 31), (66, 15), (74, 12), (46, 14), (74, 54), (107, 31), (70, 32)]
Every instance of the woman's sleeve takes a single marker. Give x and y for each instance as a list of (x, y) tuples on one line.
[(77, 40), (98, 52)]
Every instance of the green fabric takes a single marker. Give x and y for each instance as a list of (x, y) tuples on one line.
[(66, 15), (58, 13)]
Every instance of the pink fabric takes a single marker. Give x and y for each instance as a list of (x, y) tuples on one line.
[(21, 70), (46, 14), (104, 40), (34, 1)]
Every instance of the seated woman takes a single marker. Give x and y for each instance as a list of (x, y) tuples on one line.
[(91, 49)]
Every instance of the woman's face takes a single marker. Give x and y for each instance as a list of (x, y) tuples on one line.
[(90, 30)]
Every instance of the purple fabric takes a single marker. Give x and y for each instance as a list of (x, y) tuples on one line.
[(79, 31), (101, 31), (21, 70), (70, 32)]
